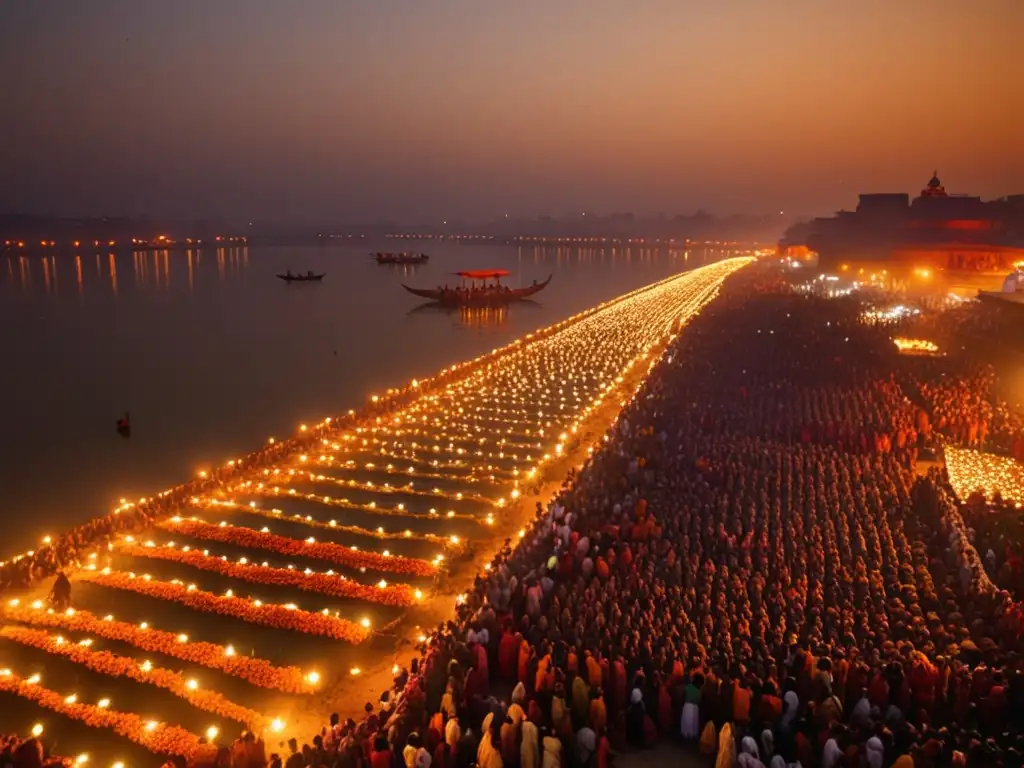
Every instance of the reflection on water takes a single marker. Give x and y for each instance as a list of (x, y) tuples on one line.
[(158, 270), (150, 270), (481, 318)]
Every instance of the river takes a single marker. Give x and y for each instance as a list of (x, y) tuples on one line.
[(211, 354)]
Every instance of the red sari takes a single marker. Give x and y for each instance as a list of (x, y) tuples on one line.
[(508, 656), (665, 719)]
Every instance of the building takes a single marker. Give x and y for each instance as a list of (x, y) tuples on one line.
[(934, 229)]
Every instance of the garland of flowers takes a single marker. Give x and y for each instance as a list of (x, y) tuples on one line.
[(330, 583), (252, 611), (113, 665), (259, 672), (318, 550), (154, 736)]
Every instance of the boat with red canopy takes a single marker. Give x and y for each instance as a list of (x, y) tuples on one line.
[(478, 293)]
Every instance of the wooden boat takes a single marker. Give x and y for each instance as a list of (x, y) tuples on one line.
[(483, 295), (307, 278), (401, 258)]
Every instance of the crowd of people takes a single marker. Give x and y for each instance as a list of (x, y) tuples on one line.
[(751, 563), (997, 531)]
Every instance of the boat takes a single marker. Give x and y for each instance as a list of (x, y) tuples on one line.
[(482, 295), (401, 258), (309, 277)]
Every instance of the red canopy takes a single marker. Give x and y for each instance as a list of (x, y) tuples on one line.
[(483, 274)]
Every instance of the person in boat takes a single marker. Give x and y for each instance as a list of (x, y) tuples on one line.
[(60, 594), (288, 273), (309, 273)]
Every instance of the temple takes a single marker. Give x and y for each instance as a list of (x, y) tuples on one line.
[(937, 229)]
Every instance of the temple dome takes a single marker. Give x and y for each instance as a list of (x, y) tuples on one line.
[(934, 188)]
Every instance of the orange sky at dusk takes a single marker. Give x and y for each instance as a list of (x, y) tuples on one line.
[(354, 111)]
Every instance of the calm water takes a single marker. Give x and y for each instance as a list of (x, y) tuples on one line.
[(212, 354)]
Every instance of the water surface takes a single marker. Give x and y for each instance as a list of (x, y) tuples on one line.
[(212, 354)]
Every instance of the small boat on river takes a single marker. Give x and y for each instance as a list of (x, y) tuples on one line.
[(482, 294), (309, 277), (401, 258)]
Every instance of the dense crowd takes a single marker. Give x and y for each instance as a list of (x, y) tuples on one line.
[(997, 531), (773, 583), (751, 564), (960, 388), (970, 413)]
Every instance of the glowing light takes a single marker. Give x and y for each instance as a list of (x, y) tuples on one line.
[(277, 725), (37, 729), (103, 703), (192, 684), (211, 732), (971, 471), (916, 346), (313, 678)]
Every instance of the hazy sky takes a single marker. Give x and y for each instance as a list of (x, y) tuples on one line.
[(349, 110)]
